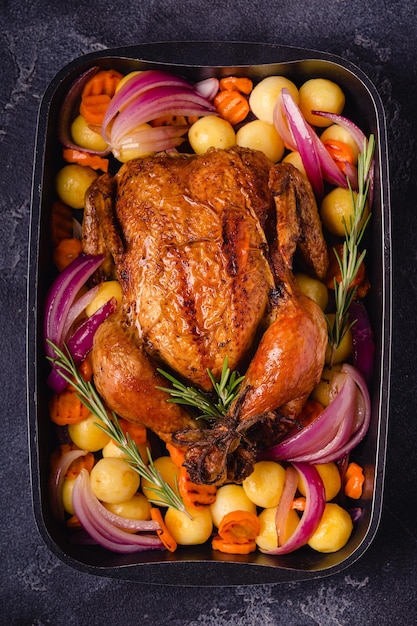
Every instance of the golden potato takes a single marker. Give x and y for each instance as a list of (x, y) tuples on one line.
[(113, 480), (189, 531), (260, 135), (334, 529), (87, 435), (320, 94), (72, 182), (230, 498), (264, 96), (211, 131), (314, 289), (265, 484), (268, 538)]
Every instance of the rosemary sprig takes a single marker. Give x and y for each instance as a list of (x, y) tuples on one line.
[(111, 426), (225, 390), (351, 259)]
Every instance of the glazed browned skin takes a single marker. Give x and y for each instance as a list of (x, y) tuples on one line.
[(201, 281), (192, 263), (126, 376)]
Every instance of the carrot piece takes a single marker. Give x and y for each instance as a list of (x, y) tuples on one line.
[(137, 432), (170, 120), (339, 150), (360, 281), (194, 495), (93, 108), (309, 412), (231, 106), (83, 462), (61, 223), (103, 82), (163, 533), (73, 522), (66, 408), (176, 454), (66, 251), (239, 527), (96, 162), (96, 95), (354, 479), (236, 83), (86, 369), (218, 543), (299, 504)]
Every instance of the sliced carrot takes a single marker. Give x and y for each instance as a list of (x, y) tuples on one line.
[(339, 150), (231, 106), (176, 454), (103, 82), (299, 504), (61, 223), (354, 479), (239, 527), (218, 543), (83, 462), (194, 495), (96, 95), (66, 251), (66, 408), (236, 83), (163, 533), (360, 281), (137, 432), (96, 162)]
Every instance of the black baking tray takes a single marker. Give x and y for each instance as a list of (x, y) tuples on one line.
[(199, 565)]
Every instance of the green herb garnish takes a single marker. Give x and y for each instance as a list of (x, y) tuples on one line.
[(109, 423), (225, 391), (351, 259)]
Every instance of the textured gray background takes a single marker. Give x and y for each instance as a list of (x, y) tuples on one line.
[(37, 38)]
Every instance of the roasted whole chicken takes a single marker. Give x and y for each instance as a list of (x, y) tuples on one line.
[(203, 247)]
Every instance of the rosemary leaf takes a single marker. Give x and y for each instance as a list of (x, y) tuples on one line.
[(226, 391)]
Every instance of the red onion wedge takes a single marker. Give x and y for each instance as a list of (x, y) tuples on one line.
[(358, 136), (60, 299), (315, 503), (208, 87), (156, 103), (136, 86), (363, 418), (77, 308), (362, 339), (81, 342), (285, 502), (147, 96), (56, 478), (103, 528), (304, 140), (299, 135), (338, 428)]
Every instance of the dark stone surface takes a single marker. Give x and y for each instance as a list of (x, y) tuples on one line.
[(39, 37)]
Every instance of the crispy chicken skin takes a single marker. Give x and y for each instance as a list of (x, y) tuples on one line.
[(203, 248)]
